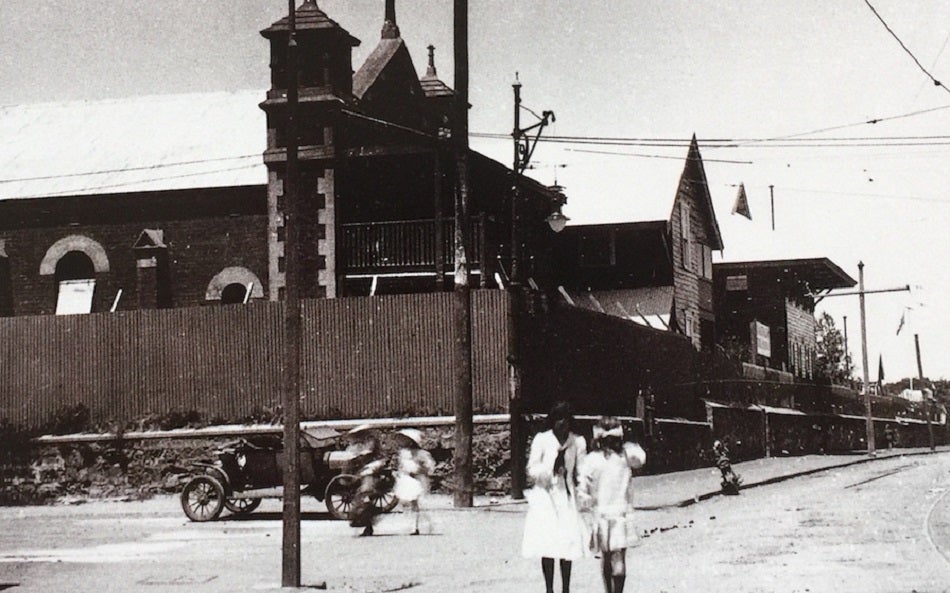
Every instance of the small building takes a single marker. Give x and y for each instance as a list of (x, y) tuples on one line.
[(766, 310)]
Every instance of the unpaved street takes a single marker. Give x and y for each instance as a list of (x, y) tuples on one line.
[(881, 526)]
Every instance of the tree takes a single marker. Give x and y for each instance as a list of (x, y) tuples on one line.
[(833, 362)]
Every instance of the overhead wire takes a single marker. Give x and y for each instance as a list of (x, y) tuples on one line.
[(127, 169), (84, 190), (905, 48)]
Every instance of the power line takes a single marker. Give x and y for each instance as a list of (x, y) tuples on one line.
[(84, 190), (857, 194), (655, 156), (855, 142), (909, 53), (127, 169), (713, 142)]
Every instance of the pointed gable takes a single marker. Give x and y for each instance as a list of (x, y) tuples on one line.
[(693, 182), (387, 84), (150, 238)]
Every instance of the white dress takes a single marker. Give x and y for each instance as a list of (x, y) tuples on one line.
[(553, 525), (412, 478), (606, 488)]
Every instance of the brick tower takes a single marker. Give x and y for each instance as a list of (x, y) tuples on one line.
[(325, 73)]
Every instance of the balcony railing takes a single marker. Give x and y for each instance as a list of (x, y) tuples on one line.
[(404, 246)]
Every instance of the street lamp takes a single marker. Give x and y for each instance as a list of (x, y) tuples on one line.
[(523, 148)]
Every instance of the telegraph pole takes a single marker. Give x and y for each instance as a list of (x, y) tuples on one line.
[(864, 362), (864, 345), (928, 403), (523, 149), (292, 326), (516, 421), (462, 457)]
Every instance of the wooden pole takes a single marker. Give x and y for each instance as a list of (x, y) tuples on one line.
[(462, 457), (292, 328), (515, 305), (928, 403), (772, 203), (864, 361)]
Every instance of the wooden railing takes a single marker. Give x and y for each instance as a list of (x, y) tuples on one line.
[(405, 245)]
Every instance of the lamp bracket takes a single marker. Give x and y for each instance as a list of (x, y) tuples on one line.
[(526, 143)]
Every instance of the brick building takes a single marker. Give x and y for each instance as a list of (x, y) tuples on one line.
[(165, 201)]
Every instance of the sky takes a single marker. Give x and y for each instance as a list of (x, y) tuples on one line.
[(779, 94)]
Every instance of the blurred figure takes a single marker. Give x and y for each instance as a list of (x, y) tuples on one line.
[(730, 479), (553, 525), (412, 477), (369, 466), (606, 488)]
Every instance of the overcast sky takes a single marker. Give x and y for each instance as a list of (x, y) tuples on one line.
[(744, 71)]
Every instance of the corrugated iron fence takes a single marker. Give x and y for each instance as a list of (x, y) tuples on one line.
[(388, 355)]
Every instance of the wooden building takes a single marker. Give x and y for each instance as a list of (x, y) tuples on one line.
[(655, 272), (766, 310)]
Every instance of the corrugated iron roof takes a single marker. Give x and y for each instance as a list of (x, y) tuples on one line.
[(820, 273), (148, 143)]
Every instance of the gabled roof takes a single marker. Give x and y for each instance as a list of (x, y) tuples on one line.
[(694, 175), (156, 142), (373, 67), (150, 238)]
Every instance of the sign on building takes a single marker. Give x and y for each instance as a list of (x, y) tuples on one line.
[(761, 339)]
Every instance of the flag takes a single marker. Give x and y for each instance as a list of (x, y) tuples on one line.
[(900, 325), (742, 203)]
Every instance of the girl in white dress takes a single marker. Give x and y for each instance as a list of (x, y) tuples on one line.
[(606, 487), (412, 477), (553, 526)]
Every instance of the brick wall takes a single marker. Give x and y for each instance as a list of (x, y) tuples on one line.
[(204, 230)]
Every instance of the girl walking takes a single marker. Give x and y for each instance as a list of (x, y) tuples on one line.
[(553, 525), (606, 487), (412, 479)]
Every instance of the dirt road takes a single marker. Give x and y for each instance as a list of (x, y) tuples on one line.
[(882, 526)]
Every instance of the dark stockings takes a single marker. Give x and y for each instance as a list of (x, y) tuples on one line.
[(614, 571), (547, 567)]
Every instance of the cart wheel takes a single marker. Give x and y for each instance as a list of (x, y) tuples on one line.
[(202, 498), (340, 494), (242, 506), (385, 502)]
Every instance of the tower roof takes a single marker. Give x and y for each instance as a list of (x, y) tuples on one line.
[(309, 17), (431, 85)]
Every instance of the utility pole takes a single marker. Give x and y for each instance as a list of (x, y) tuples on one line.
[(864, 346), (847, 355), (772, 204), (292, 325), (515, 304), (864, 362), (523, 149), (462, 457), (928, 397)]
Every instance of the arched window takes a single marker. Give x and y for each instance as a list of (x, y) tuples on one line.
[(76, 282), (73, 262), (233, 294), (230, 286)]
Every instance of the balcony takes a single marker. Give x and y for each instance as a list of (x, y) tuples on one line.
[(394, 247)]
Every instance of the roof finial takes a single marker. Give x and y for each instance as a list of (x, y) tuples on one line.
[(430, 71), (390, 29)]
